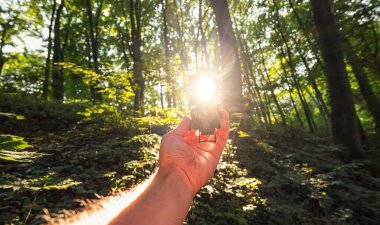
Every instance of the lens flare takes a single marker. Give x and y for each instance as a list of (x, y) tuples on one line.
[(204, 89)]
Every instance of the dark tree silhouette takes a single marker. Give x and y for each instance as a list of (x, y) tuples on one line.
[(232, 81), (345, 127)]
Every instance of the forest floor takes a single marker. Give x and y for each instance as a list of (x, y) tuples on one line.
[(263, 177)]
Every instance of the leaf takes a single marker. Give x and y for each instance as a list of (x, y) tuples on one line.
[(11, 142), (21, 157), (20, 117)]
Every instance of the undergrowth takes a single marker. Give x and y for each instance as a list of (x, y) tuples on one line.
[(262, 178)]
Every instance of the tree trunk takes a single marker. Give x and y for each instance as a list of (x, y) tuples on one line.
[(345, 127), (45, 87), (231, 75), (2, 44), (247, 65), (94, 39), (365, 88), (308, 39), (1, 65), (268, 111), (181, 39), (268, 82), (305, 107), (139, 83), (57, 58), (295, 108), (168, 78)]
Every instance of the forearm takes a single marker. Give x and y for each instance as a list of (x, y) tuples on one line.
[(166, 200)]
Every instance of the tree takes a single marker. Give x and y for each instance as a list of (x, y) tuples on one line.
[(231, 74), (369, 96), (45, 88), (11, 25), (93, 25), (58, 79), (170, 87), (345, 127)]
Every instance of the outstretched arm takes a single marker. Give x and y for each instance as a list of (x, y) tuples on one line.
[(185, 166)]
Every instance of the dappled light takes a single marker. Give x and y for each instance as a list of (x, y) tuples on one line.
[(286, 93)]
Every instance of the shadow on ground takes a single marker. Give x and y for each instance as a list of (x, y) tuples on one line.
[(303, 183)]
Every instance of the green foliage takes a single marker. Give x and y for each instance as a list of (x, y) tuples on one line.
[(80, 165), (159, 120), (264, 178), (304, 184), (22, 74), (11, 142), (20, 112), (230, 197), (11, 150)]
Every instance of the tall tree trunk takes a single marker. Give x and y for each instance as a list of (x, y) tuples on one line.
[(308, 115), (251, 92), (266, 78), (2, 62), (375, 60), (94, 39), (298, 115), (139, 82), (365, 88), (255, 94), (268, 111), (232, 84), (303, 29), (181, 40), (345, 127), (168, 78), (45, 87), (203, 45), (2, 44), (133, 42), (318, 95), (292, 81), (57, 58)]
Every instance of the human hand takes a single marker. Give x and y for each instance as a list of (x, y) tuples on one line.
[(194, 162)]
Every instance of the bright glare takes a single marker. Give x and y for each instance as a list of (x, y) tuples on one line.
[(205, 89)]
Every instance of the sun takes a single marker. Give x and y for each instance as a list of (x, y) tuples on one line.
[(204, 89)]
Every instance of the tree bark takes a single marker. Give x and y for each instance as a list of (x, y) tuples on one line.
[(345, 127), (255, 94), (231, 74), (369, 96), (308, 115), (139, 82), (307, 36), (45, 87), (168, 78), (58, 79), (5, 26), (2, 44), (94, 40)]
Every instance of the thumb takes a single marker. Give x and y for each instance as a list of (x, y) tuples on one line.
[(184, 127)]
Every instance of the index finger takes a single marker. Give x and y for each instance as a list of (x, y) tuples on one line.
[(224, 131)]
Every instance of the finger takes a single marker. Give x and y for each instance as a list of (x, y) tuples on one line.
[(184, 127), (223, 131)]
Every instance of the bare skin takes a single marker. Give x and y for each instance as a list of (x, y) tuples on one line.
[(185, 166)]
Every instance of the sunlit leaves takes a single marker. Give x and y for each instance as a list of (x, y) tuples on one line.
[(14, 143)]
